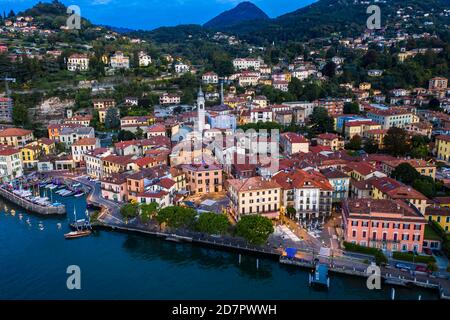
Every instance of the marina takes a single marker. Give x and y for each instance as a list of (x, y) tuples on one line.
[(161, 269)]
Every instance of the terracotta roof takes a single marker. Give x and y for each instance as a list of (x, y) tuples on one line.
[(8, 151), (85, 142), (328, 136), (361, 167), (366, 206), (157, 128), (300, 179), (294, 137), (445, 138), (437, 211), (395, 189), (13, 132), (166, 183), (253, 184)]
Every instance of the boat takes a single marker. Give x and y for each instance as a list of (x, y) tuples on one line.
[(319, 278), (70, 193), (79, 231), (76, 185), (62, 186), (79, 194), (52, 187)]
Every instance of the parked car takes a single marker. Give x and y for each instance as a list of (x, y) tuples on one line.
[(422, 269), (403, 267), (428, 251), (437, 252)]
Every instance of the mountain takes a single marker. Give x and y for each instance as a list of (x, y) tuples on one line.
[(244, 11), (324, 17)]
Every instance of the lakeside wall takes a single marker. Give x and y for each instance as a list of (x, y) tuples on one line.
[(30, 206)]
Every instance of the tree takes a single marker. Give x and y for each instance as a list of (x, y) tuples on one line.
[(213, 223), (405, 173), (371, 146), (321, 122), (139, 133), (255, 229), (396, 142), (291, 212), (125, 135), (434, 104), (176, 217), (355, 143), (419, 146), (20, 114), (148, 211), (112, 120), (329, 69), (351, 108), (129, 210), (425, 185)]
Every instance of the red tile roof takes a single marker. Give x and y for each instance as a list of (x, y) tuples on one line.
[(13, 132)]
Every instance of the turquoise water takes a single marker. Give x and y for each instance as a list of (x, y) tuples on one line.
[(114, 265)]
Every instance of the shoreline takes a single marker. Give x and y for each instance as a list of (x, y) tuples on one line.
[(443, 290)]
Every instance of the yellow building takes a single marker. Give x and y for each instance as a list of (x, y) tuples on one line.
[(254, 196), (391, 189), (439, 215), (16, 137), (47, 145), (443, 147), (30, 155), (365, 86), (423, 167)]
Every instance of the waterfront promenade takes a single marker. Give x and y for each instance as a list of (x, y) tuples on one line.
[(110, 218)]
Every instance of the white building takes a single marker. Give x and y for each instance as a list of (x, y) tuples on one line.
[(10, 163), (181, 67), (246, 63), (210, 78), (119, 61), (82, 146), (144, 59), (78, 62), (169, 98), (94, 162)]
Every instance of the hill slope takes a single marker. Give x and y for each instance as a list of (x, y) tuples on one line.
[(324, 17), (244, 11)]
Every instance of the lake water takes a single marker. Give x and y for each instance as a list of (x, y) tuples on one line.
[(115, 265)]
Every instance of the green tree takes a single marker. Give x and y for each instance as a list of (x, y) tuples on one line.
[(396, 142), (321, 122), (20, 114), (129, 210), (255, 229), (405, 173), (434, 104), (370, 146), (148, 211), (176, 217), (112, 120), (213, 223), (354, 143), (351, 108), (426, 186), (139, 133), (125, 135)]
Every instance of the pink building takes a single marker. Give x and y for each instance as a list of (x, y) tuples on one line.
[(114, 187), (390, 225)]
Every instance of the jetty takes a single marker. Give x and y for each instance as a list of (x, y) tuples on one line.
[(31, 206)]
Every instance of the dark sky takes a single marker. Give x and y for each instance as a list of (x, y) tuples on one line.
[(150, 14)]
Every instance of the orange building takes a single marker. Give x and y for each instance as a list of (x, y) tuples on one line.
[(203, 178)]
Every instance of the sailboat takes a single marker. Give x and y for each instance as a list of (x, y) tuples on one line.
[(79, 232)]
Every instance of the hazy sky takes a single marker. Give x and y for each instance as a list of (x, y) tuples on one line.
[(150, 14)]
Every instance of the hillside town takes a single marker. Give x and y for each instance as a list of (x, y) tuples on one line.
[(359, 166)]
